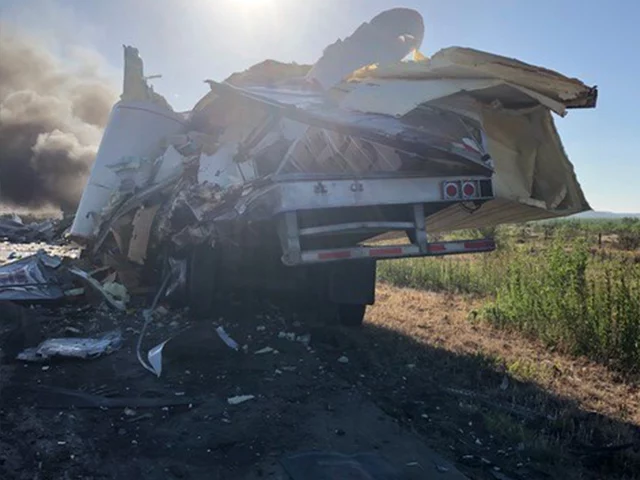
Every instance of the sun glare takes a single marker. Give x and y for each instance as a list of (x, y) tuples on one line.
[(252, 2)]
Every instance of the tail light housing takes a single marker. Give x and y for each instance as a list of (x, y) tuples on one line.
[(469, 190), (465, 190), (451, 190)]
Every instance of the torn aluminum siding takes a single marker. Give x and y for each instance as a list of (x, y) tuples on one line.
[(34, 278), (533, 179), (137, 125), (388, 37), (466, 63), (513, 102), (463, 112), (439, 139)]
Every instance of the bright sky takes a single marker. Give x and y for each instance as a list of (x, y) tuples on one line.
[(188, 41)]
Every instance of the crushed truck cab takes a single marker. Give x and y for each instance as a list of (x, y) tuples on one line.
[(281, 176)]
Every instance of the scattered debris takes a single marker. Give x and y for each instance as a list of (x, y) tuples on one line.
[(144, 416), (14, 230), (239, 399), (83, 348), (224, 336), (115, 303), (117, 291), (264, 350), (291, 336), (154, 358), (34, 278)]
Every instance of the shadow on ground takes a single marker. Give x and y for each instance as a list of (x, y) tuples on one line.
[(464, 407), (468, 409)]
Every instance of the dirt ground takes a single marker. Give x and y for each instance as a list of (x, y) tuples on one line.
[(110, 418), (420, 377)]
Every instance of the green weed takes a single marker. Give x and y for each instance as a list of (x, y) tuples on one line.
[(570, 296)]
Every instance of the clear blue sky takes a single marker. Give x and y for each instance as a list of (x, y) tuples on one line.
[(188, 41)]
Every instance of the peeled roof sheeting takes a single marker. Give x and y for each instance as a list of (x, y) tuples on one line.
[(457, 62)]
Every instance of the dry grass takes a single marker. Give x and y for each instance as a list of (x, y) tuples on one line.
[(560, 407), (446, 321)]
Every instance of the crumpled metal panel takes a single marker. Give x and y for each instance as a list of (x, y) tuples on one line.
[(31, 278), (71, 347), (467, 63)]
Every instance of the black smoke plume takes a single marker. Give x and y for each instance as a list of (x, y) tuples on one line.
[(51, 119)]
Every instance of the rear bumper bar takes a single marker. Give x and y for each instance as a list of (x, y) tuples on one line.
[(390, 251)]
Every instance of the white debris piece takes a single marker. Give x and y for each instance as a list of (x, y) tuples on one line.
[(224, 336), (97, 286), (264, 350), (117, 291), (73, 347), (170, 165), (343, 359), (239, 399), (154, 356), (386, 39), (288, 335)]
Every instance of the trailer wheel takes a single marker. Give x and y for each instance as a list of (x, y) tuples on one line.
[(200, 281), (351, 315)]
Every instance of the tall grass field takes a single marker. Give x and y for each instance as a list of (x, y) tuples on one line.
[(573, 284)]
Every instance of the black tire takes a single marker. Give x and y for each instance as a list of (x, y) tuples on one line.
[(351, 315), (200, 281)]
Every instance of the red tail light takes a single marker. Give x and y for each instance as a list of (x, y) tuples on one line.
[(451, 190), (469, 190)]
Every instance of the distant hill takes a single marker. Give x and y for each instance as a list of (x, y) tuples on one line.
[(595, 215)]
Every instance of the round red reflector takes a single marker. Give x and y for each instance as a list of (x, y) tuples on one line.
[(469, 190), (451, 190)]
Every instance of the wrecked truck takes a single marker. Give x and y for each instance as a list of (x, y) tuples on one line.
[(281, 176)]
